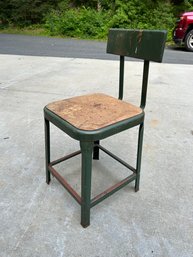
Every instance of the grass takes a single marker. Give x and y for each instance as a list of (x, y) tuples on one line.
[(38, 31), (32, 31)]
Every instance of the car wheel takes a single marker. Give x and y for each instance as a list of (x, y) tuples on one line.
[(189, 41)]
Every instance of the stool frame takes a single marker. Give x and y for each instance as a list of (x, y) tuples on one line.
[(146, 45)]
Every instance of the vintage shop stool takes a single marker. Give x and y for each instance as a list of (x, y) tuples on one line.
[(91, 118)]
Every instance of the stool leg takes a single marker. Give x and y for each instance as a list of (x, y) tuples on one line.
[(139, 155), (47, 149), (96, 150), (86, 148)]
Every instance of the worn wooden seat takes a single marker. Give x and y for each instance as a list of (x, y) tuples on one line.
[(92, 112), (93, 117)]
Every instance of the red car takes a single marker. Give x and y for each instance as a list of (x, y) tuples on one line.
[(183, 32)]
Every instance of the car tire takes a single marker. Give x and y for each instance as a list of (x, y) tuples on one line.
[(189, 41)]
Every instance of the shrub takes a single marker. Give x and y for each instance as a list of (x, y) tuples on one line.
[(83, 22), (70, 17), (144, 15)]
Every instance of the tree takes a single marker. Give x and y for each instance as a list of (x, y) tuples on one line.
[(122, 13), (25, 12)]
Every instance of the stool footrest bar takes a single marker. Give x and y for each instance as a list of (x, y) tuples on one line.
[(65, 158), (74, 194), (117, 159), (97, 199)]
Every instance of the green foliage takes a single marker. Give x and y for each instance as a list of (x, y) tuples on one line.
[(143, 15), (92, 18), (95, 4), (162, 18), (24, 12), (182, 6), (189, 5), (82, 22)]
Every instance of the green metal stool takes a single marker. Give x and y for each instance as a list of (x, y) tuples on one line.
[(91, 118)]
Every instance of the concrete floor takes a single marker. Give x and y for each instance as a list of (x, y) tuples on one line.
[(38, 220)]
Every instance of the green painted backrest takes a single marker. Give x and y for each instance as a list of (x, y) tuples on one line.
[(142, 44), (147, 45)]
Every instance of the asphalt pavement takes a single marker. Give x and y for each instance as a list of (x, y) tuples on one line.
[(44, 220), (75, 48)]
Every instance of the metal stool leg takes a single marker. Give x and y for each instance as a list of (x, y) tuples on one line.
[(47, 149), (86, 149), (96, 150), (139, 155)]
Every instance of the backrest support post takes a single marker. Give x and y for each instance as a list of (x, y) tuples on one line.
[(144, 84), (121, 77)]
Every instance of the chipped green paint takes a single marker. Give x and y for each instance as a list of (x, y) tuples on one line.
[(141, 44)]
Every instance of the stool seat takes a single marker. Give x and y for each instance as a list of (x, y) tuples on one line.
[(94, 111)]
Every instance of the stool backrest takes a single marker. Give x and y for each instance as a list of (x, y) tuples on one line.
[(142, 44), (147, 45)]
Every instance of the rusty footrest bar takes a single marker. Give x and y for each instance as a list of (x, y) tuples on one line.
[(65, 158), (117, 158), (97, 199), (74, 194)]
